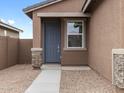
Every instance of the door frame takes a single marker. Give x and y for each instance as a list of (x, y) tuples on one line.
[(43, 37)]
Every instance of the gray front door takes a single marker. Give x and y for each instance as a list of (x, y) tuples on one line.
[(52, 41)]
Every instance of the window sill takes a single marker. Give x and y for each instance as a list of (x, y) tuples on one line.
[(75, 49)]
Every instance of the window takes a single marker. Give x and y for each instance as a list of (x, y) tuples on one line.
[(75, 34)]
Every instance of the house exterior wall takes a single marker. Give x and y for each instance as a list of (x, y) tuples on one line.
[(122, 21), (64, 6), (37, 31), (58, 7), (74, 58), (12, 34), (104, 34), (9, 33), (71, 57), (68, 57)]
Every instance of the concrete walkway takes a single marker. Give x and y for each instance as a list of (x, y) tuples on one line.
[(48, 81)]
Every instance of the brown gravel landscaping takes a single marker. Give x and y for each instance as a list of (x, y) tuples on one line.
[(85, 82), (17, 79)]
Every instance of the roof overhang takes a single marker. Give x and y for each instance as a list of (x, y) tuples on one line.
[(64, 14), (86, 5), (10, 27), (40, 5), (89, 5)]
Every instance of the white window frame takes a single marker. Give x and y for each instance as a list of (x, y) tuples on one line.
[(82, 34)]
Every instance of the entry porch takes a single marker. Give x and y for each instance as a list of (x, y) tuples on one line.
[(61, 38)]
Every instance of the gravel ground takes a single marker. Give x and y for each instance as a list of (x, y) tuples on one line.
[(17, 79), (85, 82)]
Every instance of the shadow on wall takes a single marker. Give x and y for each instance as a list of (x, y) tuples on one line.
[(94, 6)]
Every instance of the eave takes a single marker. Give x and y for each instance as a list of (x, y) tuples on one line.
[(28, 10), (10, 27), (89, 5)]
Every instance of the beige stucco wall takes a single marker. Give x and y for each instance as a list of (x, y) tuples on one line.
[(122, 21), (8, 52), (73, 56), (25, 46), (104, 34), (64, 6), (3, 53), (36, 31), (12, 51), (9, 33)]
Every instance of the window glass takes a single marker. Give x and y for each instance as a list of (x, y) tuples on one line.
[(74, 27), (75, 34), (74, 41)]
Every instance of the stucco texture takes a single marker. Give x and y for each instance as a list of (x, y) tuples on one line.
[(25, 46), (73, 56), (122, 21), (64, 6), (8, 52), (14, 51), (104, 34)]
